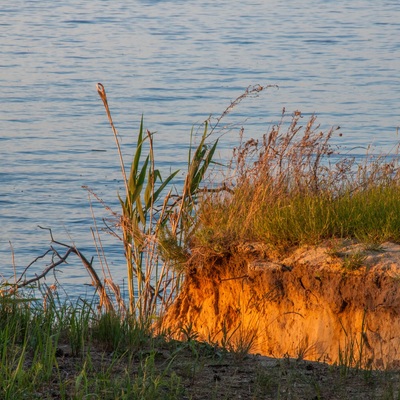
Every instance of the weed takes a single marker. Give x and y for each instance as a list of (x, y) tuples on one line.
[(351, 357), (149, 384), (239, 341), (156, 228), (288, 188), (292, 187), (354, 261), (375, 247), (189, 335)]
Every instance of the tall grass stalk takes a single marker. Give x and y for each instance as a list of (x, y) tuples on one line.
[(156, 224)]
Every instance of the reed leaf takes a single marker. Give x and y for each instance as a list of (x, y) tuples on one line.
[(157, 193)]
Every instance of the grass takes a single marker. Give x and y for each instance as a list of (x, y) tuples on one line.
[(70, 351), (292, 187), (288, 188), (154, 222)]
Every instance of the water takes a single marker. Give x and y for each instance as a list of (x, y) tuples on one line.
[(176, 62)]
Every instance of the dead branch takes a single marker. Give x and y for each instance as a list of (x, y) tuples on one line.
[(59, 259), (37, 277)]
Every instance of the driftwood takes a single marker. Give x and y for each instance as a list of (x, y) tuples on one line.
[(59, 259)]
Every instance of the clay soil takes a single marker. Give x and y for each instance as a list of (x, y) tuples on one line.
[(339, 301)]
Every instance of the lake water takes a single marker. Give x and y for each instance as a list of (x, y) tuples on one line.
[(176, 62)]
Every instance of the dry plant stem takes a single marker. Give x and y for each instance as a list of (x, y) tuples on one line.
[(152, 236), (98, 243), (108, 281), (13, 261), (107, 276), (251, 91), (102, 93), (101, 201), (128, 250), (96, 282)]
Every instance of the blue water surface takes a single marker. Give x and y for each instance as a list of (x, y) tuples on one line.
[(176, 62)]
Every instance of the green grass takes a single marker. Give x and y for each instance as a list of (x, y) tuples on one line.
[(73, 352), (288, 188), (65, 351), (285, 190)]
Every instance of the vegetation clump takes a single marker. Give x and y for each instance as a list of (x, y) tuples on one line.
[(289, 188), (292, 187), (66, 351)]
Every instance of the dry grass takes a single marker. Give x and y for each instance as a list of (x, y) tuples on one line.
[(288, 188), (292, 187)]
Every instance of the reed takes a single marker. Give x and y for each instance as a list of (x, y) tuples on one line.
[(284, 189), (155, 222)]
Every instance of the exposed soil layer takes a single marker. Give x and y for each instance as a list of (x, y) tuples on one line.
[(337, 303)]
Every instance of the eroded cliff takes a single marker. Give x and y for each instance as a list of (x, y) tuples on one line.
[(328, 303)]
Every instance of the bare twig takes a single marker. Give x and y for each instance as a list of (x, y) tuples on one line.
[(33, 262), (53, 265), (58, 259)]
